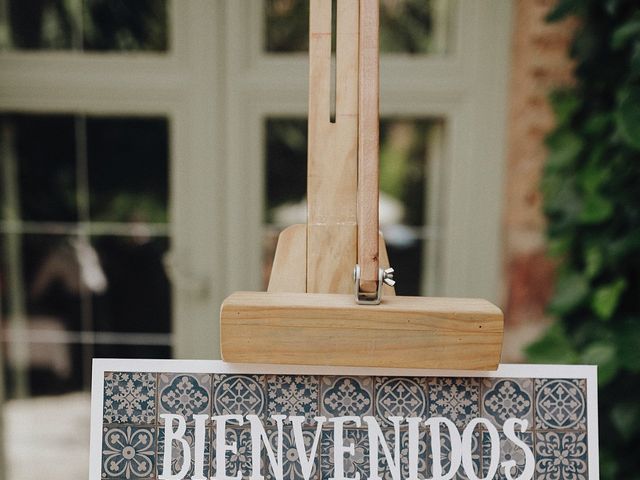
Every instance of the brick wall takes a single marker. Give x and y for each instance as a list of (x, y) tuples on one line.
[(539, 64)]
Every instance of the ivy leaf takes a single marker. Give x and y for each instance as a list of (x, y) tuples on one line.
[(595, 209), (553, 347), (625, 33), (626, 418), (571, 290), (602, 354), (628, 116), (565, 148), (606, 298), (593, 261), (628, 341)]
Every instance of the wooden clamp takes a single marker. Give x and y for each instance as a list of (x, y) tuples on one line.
[(308, 314)]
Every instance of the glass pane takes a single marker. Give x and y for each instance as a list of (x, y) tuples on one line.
[(42, 288), (40, 25), (105, 25), (125, 25), (128, 165), (404, 174), (136, 294), (38, 167), (406, 26)]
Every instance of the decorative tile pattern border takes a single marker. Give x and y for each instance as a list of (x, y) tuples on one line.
[(132, 442)]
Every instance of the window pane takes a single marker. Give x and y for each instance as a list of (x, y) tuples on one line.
[(38, 168), (405, 166), (406, 26), (128, 169), (125, 25), (91, 25)]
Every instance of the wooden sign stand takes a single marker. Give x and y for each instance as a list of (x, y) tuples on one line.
[(310, 315)]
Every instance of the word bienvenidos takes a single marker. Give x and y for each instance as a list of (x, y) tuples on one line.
[(461, 447)]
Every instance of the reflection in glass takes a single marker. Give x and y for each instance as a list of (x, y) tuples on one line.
[(91, 25), (46, 302), (128, 169), (125, 25), (406, 26), (404, 170), (38, 167)]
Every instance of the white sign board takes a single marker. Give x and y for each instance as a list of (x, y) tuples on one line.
[(180, 419)]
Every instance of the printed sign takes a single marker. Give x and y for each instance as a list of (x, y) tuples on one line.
[(200, 420)]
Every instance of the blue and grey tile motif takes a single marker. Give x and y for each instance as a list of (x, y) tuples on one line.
[(507, 398), (405, 397), (347, 396), (561, 455), (508, 452), (445, 455), (133, 441), (352, 464), (128, 452), (184, 394), (291, 469), (293, 395), (560, 404), (177, 452), (454, 398), (129, 398), (239, 394)]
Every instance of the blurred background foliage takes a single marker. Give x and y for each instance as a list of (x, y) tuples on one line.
[(591, 188)]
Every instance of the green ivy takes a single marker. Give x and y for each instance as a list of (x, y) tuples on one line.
[(591, 189)]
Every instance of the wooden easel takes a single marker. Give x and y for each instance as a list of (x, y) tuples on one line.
[(312, 313)]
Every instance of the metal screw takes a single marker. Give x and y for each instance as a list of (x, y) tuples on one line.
[(387, 277)]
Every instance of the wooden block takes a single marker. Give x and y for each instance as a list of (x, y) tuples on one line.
[(289, 271), (331, 329)]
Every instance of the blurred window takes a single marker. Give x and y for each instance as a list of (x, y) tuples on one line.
[(83, 229), (415, 27), (90, 25), (99, 99)]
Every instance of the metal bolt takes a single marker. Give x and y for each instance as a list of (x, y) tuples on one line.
[(387, 277)]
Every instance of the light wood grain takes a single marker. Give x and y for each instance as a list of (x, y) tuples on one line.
[(289, 270), (368, 145), (330, 329), (332, 155)]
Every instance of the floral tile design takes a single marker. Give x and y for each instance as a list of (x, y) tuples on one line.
[(128, 452), (390, 436), (347, 396), (404, 397), (356, 463), (291, 464), (239, 394), (561, 455), (506, 398), (184, 394), (454, 398), (560, 404), (177, 452), (508, 451), (445, 455), (293, 395), (129, 398), (240, 461)]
